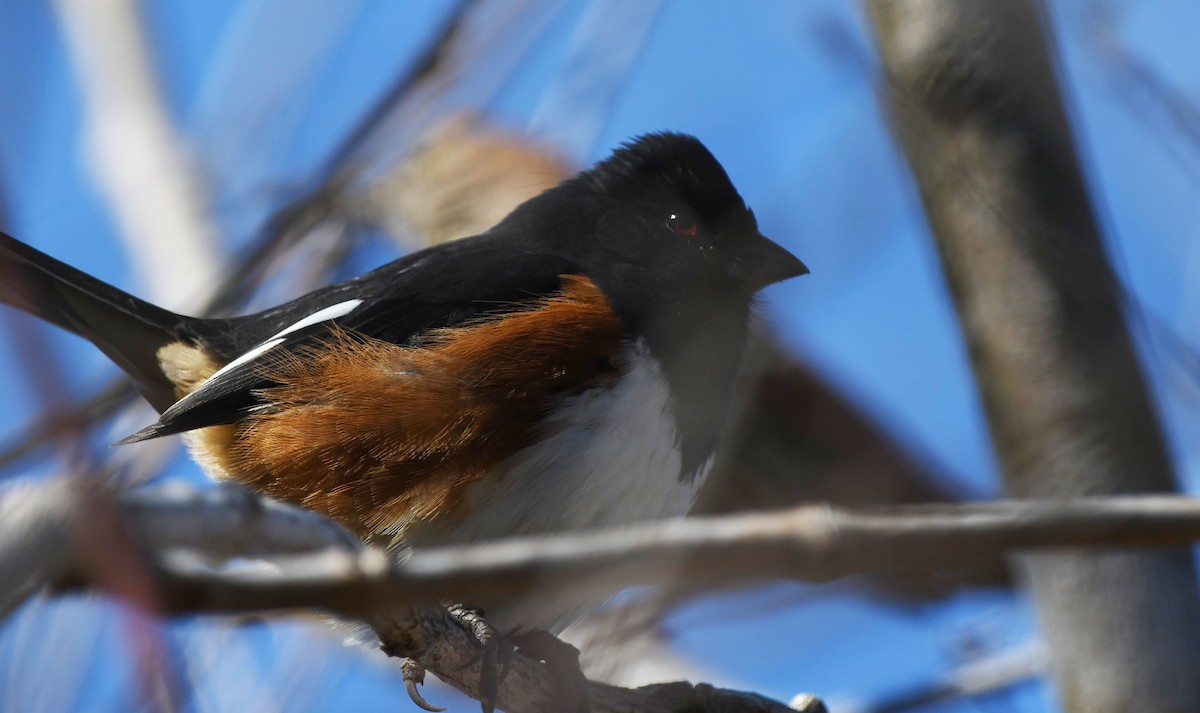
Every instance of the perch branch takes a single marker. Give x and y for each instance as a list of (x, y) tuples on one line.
[(312, 563)]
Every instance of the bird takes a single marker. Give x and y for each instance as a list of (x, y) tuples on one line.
[(570, 368)]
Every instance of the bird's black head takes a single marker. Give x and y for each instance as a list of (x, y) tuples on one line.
[(662, 231), (670, 228), (680, 256)]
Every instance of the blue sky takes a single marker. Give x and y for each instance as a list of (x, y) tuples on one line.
[(785, 94)]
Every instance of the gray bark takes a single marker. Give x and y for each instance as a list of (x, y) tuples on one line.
[(977, 110)]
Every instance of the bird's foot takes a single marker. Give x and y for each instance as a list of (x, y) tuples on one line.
[(494, 655), (562, 660)]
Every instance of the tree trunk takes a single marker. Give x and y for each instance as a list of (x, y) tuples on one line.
[(977, 111)]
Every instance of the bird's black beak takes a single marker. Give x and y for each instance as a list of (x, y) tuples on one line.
[(760, 262)]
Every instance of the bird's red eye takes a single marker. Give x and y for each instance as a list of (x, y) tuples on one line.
[(682, 222)]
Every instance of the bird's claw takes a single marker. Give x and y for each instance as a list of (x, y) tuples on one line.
[(413, 673)]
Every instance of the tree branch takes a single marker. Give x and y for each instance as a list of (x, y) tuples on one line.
[(976, 107), (135, 155), (313, 563)]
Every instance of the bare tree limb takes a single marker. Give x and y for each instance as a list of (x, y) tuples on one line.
[(811, 543), (135, 154), (305, 561), (308, 562), (987, 676), (315, 563), (978, 113)]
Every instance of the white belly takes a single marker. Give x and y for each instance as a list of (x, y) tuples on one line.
[(607, 457)]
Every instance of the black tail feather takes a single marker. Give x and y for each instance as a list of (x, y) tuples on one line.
[(130, 331)]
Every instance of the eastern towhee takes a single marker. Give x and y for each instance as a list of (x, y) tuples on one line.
[(569, 368)]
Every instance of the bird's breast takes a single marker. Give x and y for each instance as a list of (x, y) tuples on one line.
[(604, 457)]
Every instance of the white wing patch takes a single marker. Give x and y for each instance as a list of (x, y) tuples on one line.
[(340, 309), (332, 312)]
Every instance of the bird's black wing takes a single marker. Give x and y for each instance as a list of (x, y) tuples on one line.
[(399, 303)]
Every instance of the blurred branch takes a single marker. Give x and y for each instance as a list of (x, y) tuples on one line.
[(312, 563), (55, 421), (157, 200), (978, 113), (461, 177), (1167, 112), (427, 67), (812, 543), (986, 676), (607, 40), (475, 54), (1171, 117)]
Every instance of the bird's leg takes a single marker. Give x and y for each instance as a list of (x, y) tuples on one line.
[(562, 659), (494, 655)]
